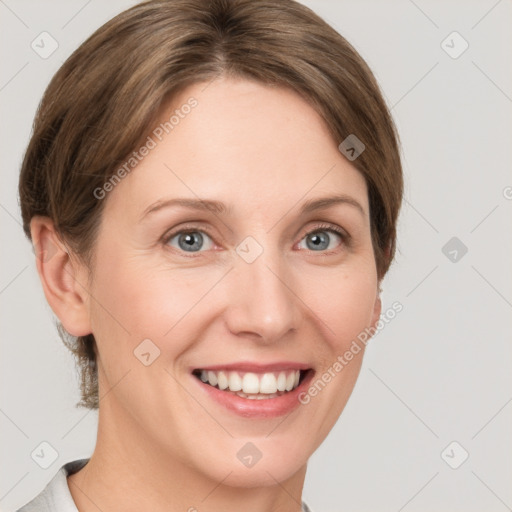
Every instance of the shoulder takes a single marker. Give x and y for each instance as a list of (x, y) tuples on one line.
[(55, 497)]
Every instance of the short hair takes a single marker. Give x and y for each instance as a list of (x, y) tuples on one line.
[(107, 95)]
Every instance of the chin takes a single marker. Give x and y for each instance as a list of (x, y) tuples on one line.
[(258, 462)]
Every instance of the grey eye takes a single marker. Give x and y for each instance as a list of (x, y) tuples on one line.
[(319, 240), (189, 241)]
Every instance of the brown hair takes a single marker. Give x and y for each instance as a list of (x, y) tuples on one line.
[(109, 92)]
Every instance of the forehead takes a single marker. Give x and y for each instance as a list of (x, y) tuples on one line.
[(242, 142)]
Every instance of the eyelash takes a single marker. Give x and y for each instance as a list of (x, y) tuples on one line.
[(345, 237)]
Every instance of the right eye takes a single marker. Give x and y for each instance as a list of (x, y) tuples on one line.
[(188, 240)]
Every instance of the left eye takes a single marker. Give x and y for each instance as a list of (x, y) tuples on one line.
[(318, 240)]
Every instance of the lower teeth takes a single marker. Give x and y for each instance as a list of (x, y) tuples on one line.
[(253, 396), (258, 396)]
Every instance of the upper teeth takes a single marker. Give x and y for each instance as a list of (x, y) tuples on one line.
[(266, 383)]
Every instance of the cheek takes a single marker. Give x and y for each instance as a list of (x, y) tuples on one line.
[(136, 301), (343, 301)]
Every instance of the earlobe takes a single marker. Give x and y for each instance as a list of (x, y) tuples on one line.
[(60, 277)]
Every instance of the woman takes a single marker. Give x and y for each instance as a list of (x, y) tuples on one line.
[(212, 191)]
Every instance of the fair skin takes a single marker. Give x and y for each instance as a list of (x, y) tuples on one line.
[(164, 444)]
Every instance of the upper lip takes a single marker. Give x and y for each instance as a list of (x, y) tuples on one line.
[(247, 366)]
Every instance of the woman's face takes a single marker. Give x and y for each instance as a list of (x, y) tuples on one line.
[(246, 295)]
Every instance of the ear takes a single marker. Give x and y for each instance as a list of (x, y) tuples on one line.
[(63, 280), (377, 308)]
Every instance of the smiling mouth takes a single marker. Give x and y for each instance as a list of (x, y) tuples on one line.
[(251, 385)]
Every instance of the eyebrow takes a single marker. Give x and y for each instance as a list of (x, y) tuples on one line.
[(217, 207)]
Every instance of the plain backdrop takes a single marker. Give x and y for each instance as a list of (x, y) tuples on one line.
[(428, 426)]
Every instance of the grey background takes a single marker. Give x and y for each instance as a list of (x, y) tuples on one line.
[(439, 372)]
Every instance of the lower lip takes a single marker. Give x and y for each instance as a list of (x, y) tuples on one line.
[(251, 408)]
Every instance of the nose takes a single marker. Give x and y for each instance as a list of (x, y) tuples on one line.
[(261, 301)]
